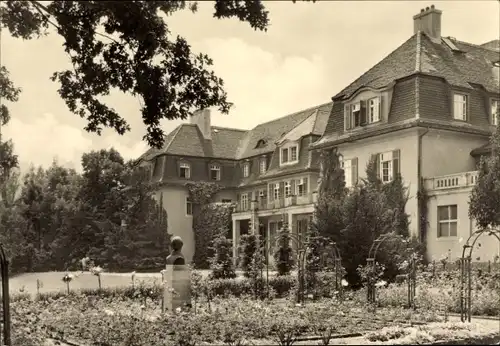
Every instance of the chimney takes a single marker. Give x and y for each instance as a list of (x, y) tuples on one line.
[(201, 118), (428, 21)]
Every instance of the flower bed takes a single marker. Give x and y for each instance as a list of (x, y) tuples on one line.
[(113, 320), (442, 291), (435, 333)]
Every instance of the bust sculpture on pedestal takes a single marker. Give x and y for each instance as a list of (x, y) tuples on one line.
[(176, 257), (177, 279)]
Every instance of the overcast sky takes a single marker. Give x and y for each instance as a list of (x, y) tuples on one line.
[(309, 53)]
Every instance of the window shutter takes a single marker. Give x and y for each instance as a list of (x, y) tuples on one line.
[(363, 112), (376, 157), (282, 189), (347, 117), (396, 163), (271, 192), (292, 187), (238, 198), (305, 185), (354, 170), (380, 98)]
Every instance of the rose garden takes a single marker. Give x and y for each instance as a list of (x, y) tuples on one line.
[(357, 277)]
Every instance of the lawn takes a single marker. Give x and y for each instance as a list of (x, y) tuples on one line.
[(52, 281)]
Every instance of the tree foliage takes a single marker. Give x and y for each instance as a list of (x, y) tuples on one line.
[(354, 218), (221, 263), (484, 204), (283, 256), (107, 213), (128, 46), (208, 218)]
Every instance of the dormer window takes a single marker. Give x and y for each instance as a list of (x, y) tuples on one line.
[(246, 169), (214, 172), (495, 111), (374, 110), (289, 154), (262, 165), (460, 106), (355, 115), (185, 170), (261, 143)]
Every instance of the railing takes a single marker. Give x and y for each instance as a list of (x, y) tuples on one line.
[(265, 204), (452, 181)]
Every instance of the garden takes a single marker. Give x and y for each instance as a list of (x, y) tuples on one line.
[(253, 310), (367, 284)]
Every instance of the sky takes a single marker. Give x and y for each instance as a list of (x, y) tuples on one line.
[(309, 53)]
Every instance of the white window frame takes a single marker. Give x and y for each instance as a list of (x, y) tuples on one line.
[(355, 108), (246, 169), (374, 110), (300, 187), (244, 201), (495, 111), (286, 154), (276, 191), (460, 106), (262, 166), (294, 154), (448, 221), (287, 189), (186, 166), (215, 167), (262, 194), (386, 163), (347, 167), (189, 206)]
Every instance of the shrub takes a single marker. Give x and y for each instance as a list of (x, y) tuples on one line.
[(316, 245), (248, 250), (222, 262), (283, 256)]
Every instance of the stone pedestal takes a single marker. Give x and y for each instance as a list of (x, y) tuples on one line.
[(176, 288)]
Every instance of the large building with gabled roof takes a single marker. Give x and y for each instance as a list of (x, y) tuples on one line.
[(268, 172), (425, 111)]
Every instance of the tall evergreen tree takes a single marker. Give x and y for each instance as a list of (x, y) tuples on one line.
[(484, 204)]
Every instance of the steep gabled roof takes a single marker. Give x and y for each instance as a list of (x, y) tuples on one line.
[(469, 64), (398, 64), (459, 63), (271, 131), (235, 144), (187, 140)]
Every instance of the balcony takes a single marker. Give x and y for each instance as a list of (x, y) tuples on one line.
[(265, 204), (452, 181)]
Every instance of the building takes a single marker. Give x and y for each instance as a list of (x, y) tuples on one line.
[(268, 172), (425, 111)]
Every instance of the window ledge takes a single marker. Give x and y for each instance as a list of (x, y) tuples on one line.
[(365, 127), (289, 163), (447, 239)]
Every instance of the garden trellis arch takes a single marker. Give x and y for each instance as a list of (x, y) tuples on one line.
[(303, 248), (466, 271), (4, 264), (411, 276)]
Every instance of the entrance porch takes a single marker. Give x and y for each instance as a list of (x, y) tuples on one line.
[(268, 228)]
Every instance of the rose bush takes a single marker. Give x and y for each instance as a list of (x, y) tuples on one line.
[(115, 320), (441, 290)]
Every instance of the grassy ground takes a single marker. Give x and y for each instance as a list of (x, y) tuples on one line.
[(52, 281)]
